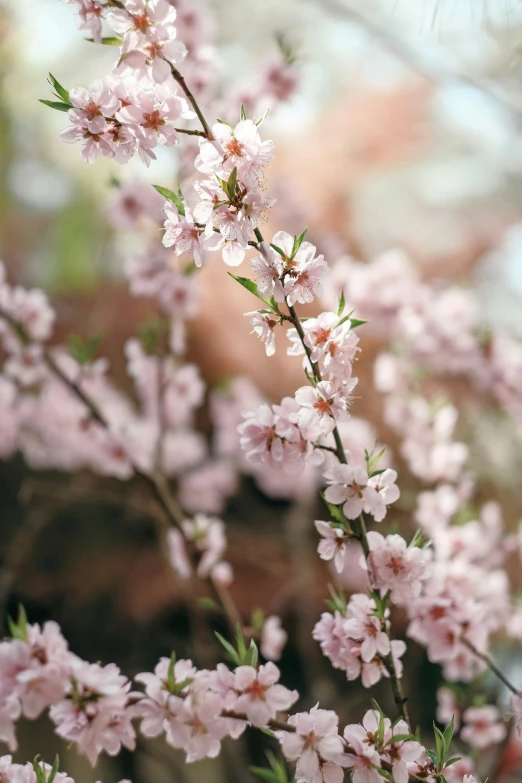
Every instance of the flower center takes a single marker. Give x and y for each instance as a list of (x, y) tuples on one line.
[(153, 120)]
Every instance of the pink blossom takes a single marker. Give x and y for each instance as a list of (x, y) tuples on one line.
[(208, 537), (240, 147), (349, 485), (152, 116), (396, 567), (273, 638), (96, 715), (268, 270), (260, 696), (263, 325), (363, 758), (92, 106), (482, 726), (182, 233), (333, 544), (321, 406), (315, 744), (178, 555), (447, 707), (364, 627)]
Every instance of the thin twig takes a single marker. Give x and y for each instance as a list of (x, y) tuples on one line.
[(491, 665)]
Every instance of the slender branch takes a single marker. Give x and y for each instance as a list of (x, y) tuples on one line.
[(183, 84), (157, 481), (359, 528), (188, 132), (492, 665)]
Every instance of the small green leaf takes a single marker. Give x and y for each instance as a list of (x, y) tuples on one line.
[(268, 732), (241, 647), (264, 774), (231, 184), (242, 113), (209, 603), (372, 460), (58, 105), (171, 680), (228, 647), (341, 305), (111, 40), (224, 122), (278, 250), (439, 741), (335, 512), (252, 655), (298, 241), (448, 735), (177, 200), (452, 761), (54, 769), (81, 350), (60, 91), (261, 119), (338, 599), (398, 738)]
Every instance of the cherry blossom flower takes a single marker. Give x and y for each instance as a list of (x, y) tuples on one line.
[(364, 758), (349, 485), (260, 696), (273, 638), (93, 106), (333, 544), (363, 626), (316, 745), (482, 726), (321, 406), (263, 325), (268, 270), (396, 567), (182, 233)]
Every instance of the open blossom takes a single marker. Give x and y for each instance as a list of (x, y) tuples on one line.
[(240, 148), (95, 715), (273, 638), (333, 543), (268, 270), (362, 626), (93, 106), (153, 114), (332, 343), (140, 18), (151, 56), (321, 406), (153, 708), (350, 486), (260, 696), (363, 758), (396, 567), (316, 746), (208, 536), (482, 726), (263, 324), (182, 233)]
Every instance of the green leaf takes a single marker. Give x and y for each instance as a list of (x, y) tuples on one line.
[(452, 761), (110, 40), (439, 741), (58, 105), (338, 599), (335, 512), (224, 122), (372, 460), (398, 738), (278, 250), (60, 91), (448, 735), (341, 305), (231, 184), (177, 200), (355, 322), (433, 756), (39, 770), (171, 680), (242, 113), (257, 619), (252, 287), (209, 603), (264, 774), (252, 656), (83, 351), (261, 119), (268, 732), (241, 647), (228, 647), (54, 769), (298, 241)]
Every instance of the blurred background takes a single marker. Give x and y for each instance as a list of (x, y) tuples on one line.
[(404, 130)]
